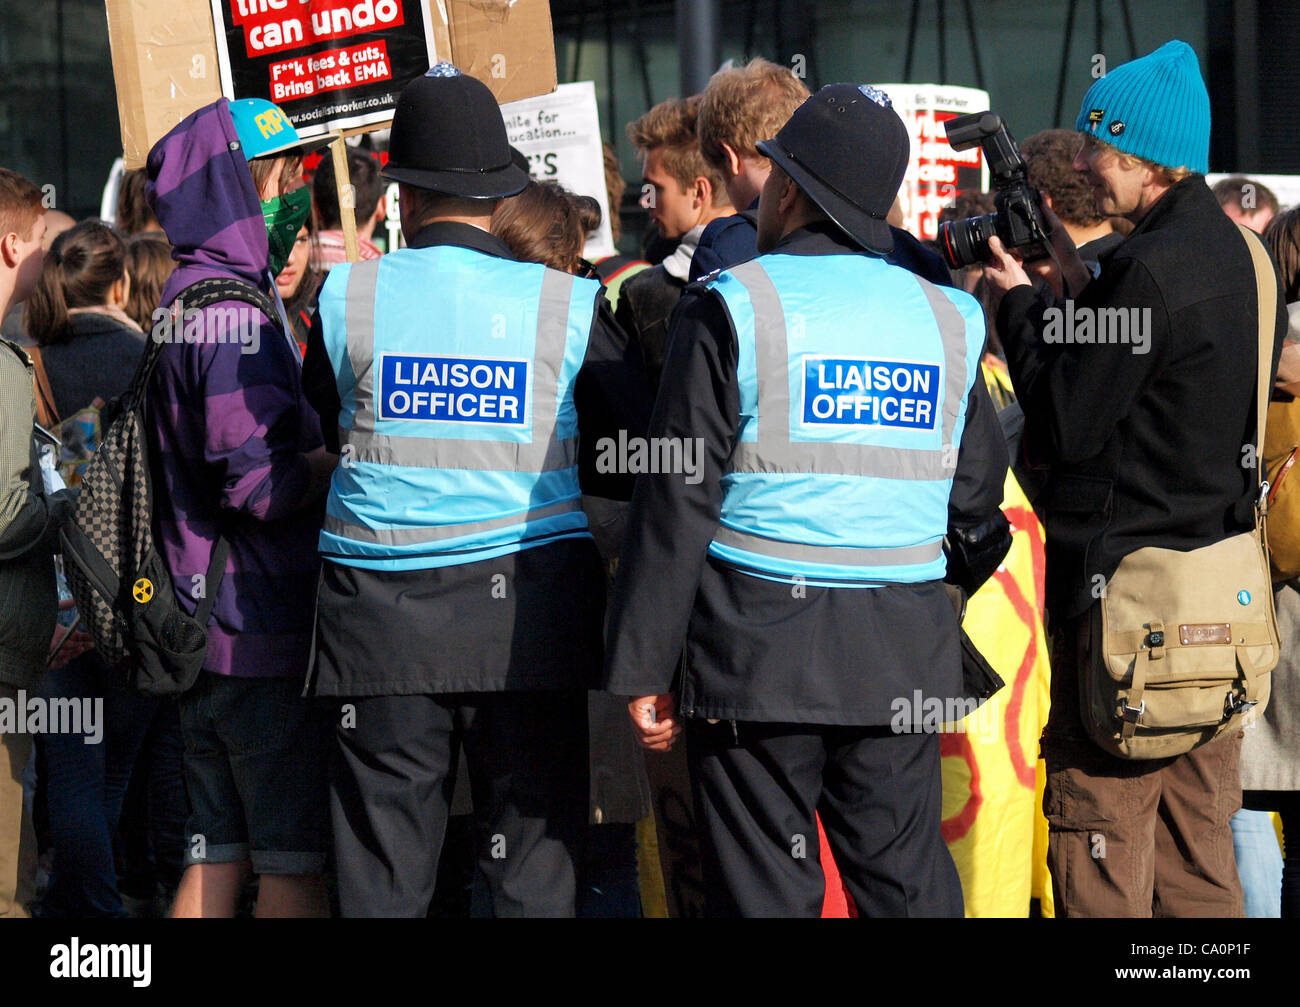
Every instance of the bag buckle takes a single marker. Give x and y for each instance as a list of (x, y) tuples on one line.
[(1130, 715), (1261, 501), (1234, 705)]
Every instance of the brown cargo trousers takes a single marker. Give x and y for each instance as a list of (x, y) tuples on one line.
[(17, 837), (1134, 838)]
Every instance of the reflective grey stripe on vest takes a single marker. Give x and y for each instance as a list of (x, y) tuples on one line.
[(542, 454), (457, 453), (904, 556), (775, 452), (414, 536)]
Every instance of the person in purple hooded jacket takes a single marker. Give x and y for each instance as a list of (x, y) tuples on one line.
[(238, 453)]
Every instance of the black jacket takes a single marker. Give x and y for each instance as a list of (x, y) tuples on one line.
[(1143, 448), (98, 360), (29, 524), (445, 630), (645, 304), (753, 652)]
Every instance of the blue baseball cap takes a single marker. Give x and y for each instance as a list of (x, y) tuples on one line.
[(264, 130)]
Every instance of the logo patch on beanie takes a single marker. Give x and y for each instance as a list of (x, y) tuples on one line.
[(1096, 115), (876, 95), (443, 70), (1116, 128)]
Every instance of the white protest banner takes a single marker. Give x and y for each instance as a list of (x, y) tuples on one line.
[(935, 172), (560, 135)]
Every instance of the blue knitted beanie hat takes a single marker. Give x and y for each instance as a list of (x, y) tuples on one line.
[(1155, 108)]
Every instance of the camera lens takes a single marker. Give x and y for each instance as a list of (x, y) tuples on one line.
[(966, 242)]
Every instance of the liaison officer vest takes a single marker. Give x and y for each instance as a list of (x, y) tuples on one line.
[(851, 410), (458, 432)]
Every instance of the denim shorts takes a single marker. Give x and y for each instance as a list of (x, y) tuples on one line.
[(255, 768)]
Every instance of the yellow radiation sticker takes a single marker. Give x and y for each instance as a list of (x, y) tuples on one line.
[(142, 590)]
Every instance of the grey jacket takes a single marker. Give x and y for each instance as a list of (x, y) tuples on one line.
[(29, 522)]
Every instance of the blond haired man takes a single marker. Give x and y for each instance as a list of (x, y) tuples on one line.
[(740, 108)]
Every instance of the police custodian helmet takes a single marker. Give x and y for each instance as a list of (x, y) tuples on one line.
[(847, 149), (448, 136)]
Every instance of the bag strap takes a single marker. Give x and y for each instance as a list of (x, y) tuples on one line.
[(196, 296), (1266, 293), (46, 415), (212, 581)]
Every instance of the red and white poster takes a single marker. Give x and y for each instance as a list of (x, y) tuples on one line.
[(330, 64), (936, 173)]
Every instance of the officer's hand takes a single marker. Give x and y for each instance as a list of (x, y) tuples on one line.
[(655, 721)]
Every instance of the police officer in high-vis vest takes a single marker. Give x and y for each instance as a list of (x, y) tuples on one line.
[(836, 404), (461, 598)]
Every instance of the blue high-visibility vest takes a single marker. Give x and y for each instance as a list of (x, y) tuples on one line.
[(853, 380), (458, 431)]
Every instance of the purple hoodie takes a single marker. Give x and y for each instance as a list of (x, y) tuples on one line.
[(229, 426)]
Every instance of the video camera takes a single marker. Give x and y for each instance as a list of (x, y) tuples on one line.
[(1018, 218)]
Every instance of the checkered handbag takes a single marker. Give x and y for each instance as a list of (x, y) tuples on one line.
[(121, 584)]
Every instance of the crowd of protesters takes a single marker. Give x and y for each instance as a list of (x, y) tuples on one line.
[(289, 763)]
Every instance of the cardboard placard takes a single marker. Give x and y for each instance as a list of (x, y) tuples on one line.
[(935, 172), (166, 63), (560, 134)]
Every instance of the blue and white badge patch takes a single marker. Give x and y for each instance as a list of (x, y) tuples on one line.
[(856, 391), (443, 69), (876, 95), (416, 386)]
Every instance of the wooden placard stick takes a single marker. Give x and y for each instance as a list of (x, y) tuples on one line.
[(347, 199)]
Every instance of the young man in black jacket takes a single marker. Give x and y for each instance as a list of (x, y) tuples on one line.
[(29, 522), (1144, 441)]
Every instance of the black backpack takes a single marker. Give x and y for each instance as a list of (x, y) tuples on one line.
[(120, 582)]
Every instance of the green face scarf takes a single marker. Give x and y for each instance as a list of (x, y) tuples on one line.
[(284, 218)]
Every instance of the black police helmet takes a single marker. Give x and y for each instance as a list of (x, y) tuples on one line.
[(448, 137), (847, 149)]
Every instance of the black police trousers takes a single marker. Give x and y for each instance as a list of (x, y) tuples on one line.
[(392, 775), (758, 788)]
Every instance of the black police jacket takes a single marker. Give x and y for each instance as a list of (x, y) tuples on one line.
[(445, 630), (1142, 439), (752, 652)]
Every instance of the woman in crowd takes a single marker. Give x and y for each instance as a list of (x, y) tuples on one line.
[(151, 835), (89, 348), (148, 264), (299, 281)]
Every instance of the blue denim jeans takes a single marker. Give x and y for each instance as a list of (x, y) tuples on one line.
[(85, 787), (1259, 863)]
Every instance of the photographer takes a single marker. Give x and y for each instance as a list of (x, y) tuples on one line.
[(1143, 438)]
